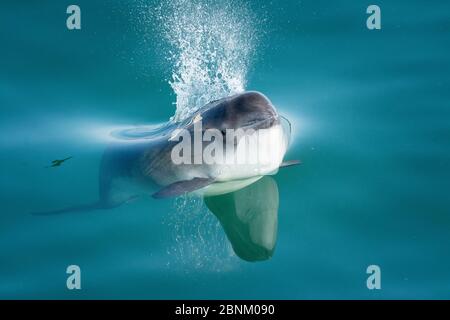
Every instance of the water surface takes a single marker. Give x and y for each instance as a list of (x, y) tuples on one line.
[(371, 117)]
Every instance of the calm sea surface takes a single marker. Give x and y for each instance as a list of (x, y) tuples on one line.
[(371, 118)]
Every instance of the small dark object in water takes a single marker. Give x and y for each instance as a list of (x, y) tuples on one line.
[(57, 163)]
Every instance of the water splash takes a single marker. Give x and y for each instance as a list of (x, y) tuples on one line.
[(211, 46)]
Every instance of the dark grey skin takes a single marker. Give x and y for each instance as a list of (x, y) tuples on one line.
[(147, 161)]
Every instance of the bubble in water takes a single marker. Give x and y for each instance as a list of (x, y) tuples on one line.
[(210, 45), (198, 240)]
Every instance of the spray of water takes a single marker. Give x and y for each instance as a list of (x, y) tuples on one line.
[(209, 46)]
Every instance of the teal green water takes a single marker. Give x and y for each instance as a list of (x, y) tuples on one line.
[(371, 112)]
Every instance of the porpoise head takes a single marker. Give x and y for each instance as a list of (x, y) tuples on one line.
[(250, 131), (242, 111), (227, 145)]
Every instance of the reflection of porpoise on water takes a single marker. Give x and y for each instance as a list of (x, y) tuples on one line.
[(134, 167), (249, 217)]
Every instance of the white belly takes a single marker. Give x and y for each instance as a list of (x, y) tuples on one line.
[(219, 188)]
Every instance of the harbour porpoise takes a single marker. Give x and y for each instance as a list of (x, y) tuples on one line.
[(172, 161)]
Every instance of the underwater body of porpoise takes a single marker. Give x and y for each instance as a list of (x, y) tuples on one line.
[(142, 164)]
